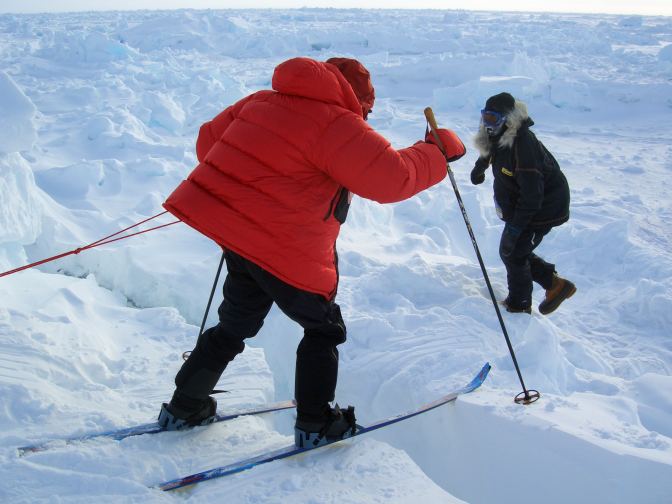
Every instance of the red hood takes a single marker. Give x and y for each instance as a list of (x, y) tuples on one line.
[(360, 80), (315, 80)]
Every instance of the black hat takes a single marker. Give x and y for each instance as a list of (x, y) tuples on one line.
[(502, 103)]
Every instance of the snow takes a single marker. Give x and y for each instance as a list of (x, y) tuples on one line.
[(17, 117), (99, 113)]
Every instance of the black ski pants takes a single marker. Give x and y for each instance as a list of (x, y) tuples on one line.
[(524, 266), (249, 294)]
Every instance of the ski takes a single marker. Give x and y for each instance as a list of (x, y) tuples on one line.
[(292, 450), (149, 428)]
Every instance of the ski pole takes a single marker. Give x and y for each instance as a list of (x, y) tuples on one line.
[(526, 396), (185, 355)]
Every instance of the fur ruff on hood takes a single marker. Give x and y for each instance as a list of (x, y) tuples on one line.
[(514, 120)]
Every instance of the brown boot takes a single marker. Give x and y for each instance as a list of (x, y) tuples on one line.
[(560, 290)]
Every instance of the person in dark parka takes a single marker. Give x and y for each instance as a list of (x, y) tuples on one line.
[(531, 197)]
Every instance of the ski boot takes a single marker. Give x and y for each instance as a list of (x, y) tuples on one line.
[(335, 425), (184, 413)]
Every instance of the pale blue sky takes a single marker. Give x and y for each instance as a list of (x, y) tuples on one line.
[(652, 7)]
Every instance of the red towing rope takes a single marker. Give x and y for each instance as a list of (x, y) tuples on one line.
[(102, 241)]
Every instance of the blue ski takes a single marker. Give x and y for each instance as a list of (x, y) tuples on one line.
[(149, 428), (292, 450)]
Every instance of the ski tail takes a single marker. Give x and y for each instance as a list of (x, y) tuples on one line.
[(149, 428)]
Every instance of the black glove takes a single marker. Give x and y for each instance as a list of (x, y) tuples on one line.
[(478, 173), (508, 242), (477, 176)]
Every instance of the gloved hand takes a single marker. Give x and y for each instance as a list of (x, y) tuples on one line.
[(478, 173), (508, 242), (477, 176), (454, 148)]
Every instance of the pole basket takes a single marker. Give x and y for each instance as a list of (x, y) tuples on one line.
[(527, 397)]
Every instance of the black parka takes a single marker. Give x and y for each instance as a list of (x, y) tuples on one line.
[(530, 189)]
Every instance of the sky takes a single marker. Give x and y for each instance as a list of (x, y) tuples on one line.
[(647, 7)]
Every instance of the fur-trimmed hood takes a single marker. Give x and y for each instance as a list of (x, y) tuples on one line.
[(517, 118)]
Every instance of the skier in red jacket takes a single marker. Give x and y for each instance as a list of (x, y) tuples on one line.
[(276, 174)]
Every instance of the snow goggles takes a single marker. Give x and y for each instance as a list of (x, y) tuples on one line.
[(492, 118)]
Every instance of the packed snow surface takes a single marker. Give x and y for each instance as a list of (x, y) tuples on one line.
[(99, 114)]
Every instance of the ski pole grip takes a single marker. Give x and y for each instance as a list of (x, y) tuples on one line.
[(431, 120), (429, 114)]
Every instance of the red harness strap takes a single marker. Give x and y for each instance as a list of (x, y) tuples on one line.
[(102, 241)]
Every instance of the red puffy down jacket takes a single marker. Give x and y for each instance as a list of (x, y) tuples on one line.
[(273, 164)]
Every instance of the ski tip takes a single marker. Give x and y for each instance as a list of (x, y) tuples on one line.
[(27, 450), (180, 483), (479, 378), (24, 451)]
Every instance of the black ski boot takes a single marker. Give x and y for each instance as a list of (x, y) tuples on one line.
[(184, 412), (335, 424)]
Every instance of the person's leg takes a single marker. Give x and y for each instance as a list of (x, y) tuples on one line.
[(317, 363), (557, 288), (317, 355), (519, 274), (524, 266), (241, 316), (315, 383), (542, 271)]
